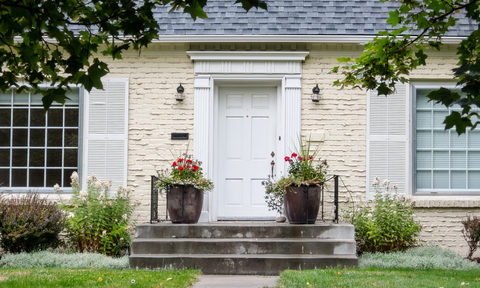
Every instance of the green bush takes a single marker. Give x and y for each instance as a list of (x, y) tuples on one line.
[(97, 220), (29, 223), (44, 259), (428, 257), (385, 224)]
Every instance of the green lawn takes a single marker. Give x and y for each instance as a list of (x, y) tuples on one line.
[(379, 278), (62, 277)]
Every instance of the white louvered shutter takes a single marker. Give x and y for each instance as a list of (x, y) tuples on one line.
[(388, 139), (106, 132)]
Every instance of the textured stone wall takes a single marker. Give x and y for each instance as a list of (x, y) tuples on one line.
[(337, 125)]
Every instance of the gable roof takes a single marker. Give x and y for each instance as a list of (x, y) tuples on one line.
[(289, 17)]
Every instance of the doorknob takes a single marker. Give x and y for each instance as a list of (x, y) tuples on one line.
[(272, 154), (273, 165)]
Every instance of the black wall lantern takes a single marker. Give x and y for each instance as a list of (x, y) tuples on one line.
[(180, 96), (316, 94)]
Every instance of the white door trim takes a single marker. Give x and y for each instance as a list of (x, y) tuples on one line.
[(285, 74)]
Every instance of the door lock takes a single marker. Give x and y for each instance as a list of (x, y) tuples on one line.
[(272, 154)]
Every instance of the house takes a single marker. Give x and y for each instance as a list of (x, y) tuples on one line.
[(248, 80)]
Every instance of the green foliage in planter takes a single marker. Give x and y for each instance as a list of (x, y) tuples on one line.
[(97, 220), (29, 223), (471, 233), (385, 224)]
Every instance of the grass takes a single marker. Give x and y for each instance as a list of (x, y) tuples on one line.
[(375, 277), (64, 277)]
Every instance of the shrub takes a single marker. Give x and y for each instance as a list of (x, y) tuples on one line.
[(97, 220), (44, 259), (428, 257), (471, 233), (386, 224), (29, 223)]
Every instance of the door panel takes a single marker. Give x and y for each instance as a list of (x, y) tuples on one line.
[(246, 138)]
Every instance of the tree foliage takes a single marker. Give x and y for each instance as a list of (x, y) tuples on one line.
[(420, 25), (60, 42)]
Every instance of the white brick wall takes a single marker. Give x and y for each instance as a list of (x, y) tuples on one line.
[(340, 116)]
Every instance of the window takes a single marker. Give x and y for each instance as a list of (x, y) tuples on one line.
[(37, 149), (444, 162)]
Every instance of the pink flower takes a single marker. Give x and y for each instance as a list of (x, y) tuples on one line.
[(310, 157)]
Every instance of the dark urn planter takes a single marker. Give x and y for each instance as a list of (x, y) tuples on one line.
[(184, 203), (302, 203)]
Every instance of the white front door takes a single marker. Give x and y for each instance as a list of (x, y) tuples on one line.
[(246, 140)]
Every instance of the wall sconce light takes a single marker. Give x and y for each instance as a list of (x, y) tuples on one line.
[(180, 96), (316, 94)]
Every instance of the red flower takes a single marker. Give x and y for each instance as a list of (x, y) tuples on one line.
[(189, 161), (310, 157), (180, 160), (287, 158), (188, 166), (180, 168), (300, 158), (195, 167), (174, 164), (294, 155)]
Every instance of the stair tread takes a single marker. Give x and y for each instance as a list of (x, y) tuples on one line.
[(249, 224), (251, 256), (225, 240)]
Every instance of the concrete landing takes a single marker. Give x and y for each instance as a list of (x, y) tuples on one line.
[(235, 281)]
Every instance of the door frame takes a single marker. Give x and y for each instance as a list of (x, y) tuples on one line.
[(279, 144), (212, 69)]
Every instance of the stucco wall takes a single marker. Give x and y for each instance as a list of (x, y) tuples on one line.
[(339, 117)]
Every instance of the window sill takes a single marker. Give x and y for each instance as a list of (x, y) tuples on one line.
[(446, 201)]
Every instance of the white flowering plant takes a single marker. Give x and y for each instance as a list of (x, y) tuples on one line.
[(385, 224), (98, 220)]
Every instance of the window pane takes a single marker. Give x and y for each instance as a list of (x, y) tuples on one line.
[(37, 117), (55, 117), (5, 114), (4, 137), (54, 158), (473, 160), (36, 99), (37, 137), (4, 176), (71, 158), (474, 179), (19, 157), (440, 139), (54, 176), (438, 117), (54, 138), (71, 117), (424, 139), (440, 179), (458, 141), (474, 139), (458, 159), (71, 137), (458, 179), (36, 178), (424, 179), (73, 95), (422, 100), (66, 177), (440, 159), (5, 98), (5, 157), (424, 159), (20, 137), (20, 117), (424, 119), (37, 157), (19, 177), (20, 98)]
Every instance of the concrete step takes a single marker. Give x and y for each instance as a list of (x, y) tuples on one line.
[(260, 264), (243, 246), (245, 230)]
